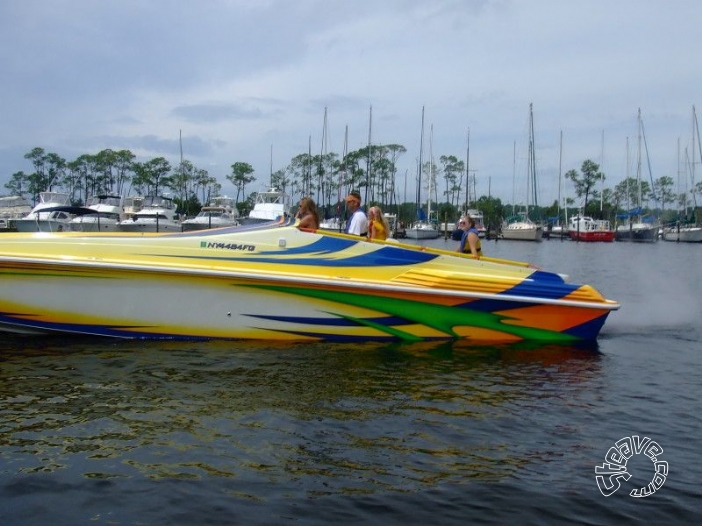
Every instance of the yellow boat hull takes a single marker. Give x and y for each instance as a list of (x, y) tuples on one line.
[(274, 282)]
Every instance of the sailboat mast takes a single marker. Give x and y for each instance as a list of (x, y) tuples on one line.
[(560, 174), (419, 168), (431, 170), (368, 159), (601, 170), (638, 166), (531, 191), (695, 128), (323, 183), (465, 210), (514, 176)]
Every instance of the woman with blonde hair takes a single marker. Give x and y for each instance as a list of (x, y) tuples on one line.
[(308, 214), (378, 227)]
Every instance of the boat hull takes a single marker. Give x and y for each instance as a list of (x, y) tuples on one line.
[(91, 224), (683, 235), (148, 226), (42, 225), (604, 236), (280, 286), (189, 226), (523, 234), (637, 233), (417, 233)]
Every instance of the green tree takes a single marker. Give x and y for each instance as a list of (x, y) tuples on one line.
[(493, 211), (452, 169), (183, 181), (16, 184), (124, 170), (663, 188), (585, 182), (626, 193), (240, 177), (151, 175)]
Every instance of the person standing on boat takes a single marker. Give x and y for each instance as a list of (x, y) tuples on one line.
[(308, 214), (470, 242), (378, 226), (357, 223)]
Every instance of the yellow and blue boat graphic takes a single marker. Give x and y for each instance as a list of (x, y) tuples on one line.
[(275, 282)]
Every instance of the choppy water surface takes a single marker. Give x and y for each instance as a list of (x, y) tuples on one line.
[(103, 432)]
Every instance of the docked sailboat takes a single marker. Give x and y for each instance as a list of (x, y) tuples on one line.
[(520, 227), (274, 282), (423, 227), (683, 231), (636, 227)]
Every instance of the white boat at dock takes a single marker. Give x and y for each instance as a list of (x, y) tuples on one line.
[(158, 214)]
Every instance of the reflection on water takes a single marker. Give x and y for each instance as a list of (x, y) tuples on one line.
[(334, 418)]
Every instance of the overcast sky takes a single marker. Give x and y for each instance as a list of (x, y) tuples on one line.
[(241, 77)]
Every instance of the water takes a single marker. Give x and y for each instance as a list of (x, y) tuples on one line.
[(104, 432)]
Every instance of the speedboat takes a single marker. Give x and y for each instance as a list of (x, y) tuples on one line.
[(272, 281)]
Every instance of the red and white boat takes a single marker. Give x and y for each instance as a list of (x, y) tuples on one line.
[(584, 228)]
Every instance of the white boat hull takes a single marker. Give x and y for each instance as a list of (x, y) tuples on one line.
[(416, 233), (150, 226), (522, 232), (91, 224), (422, 230), (683, 234), (42, 225)]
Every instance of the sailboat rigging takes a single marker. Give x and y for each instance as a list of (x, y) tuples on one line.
[(636, 229), (521, 227), (422, 228)]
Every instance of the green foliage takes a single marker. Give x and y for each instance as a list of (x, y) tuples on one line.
[(585, 182), (327, 178), (240, 177)]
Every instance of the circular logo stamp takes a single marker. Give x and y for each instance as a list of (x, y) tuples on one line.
[(608, 475)]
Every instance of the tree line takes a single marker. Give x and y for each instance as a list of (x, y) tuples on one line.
[(327, 177)]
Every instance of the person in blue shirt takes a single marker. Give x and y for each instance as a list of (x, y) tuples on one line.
[(470, 242)]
